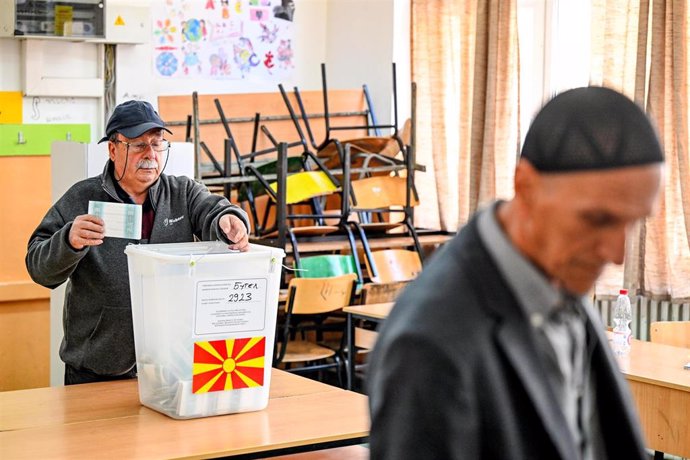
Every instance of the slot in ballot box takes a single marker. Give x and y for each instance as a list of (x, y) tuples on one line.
[(204, 326)]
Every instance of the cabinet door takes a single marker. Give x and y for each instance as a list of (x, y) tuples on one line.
[(27, 139), (48, 18)]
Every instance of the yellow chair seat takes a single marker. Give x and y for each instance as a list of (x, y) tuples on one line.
[(304, 185)]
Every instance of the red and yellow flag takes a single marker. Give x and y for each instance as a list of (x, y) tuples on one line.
[(222, 365)]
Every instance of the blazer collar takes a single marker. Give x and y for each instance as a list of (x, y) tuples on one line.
[(514, 337)]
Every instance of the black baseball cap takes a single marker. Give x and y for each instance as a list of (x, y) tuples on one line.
[(132, 119)]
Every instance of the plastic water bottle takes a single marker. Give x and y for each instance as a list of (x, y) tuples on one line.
[(622, 315)]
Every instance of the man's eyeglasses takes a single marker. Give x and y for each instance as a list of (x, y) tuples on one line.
[(140, 147)]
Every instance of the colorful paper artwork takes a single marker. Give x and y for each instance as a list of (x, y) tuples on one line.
[(223, 39)]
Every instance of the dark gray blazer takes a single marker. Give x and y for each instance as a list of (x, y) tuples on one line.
[(455, 373)]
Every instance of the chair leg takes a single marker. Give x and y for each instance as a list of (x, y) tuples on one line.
[(295, 251), (355, 255), (415, 238), (264, 223), (339, 371), (367, 249), (252, 209)]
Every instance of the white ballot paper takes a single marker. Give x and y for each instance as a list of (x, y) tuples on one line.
[(121, 220)]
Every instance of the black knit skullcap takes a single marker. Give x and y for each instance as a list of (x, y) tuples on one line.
[(589, 129)]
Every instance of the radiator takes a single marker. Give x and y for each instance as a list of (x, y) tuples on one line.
[(645, 312)]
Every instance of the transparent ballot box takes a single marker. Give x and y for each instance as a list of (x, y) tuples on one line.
[(204, 326)]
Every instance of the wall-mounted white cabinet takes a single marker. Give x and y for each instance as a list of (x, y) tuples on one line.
[(75, 19), (127, 24)]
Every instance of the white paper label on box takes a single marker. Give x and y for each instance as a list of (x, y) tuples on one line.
[(229, 306)]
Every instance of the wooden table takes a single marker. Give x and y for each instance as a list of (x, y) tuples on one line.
[(106, 420), (376, 312), (661, 389)]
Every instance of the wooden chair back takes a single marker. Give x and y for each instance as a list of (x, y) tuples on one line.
[(380, 192), (365, 338), (394, 265), (675, 333), (376, 293), (382, 292), (310, 296)]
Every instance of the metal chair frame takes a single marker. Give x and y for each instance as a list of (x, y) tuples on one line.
[(407, 209)]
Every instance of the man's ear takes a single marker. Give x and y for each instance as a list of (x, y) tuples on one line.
[(526, 181), (111, 150)]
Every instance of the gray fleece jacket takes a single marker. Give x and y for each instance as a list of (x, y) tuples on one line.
[(97, 316)]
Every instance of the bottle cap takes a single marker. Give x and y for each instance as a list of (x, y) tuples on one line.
[(623, 292)]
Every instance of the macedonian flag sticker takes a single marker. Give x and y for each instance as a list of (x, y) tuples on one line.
[(222, 365)]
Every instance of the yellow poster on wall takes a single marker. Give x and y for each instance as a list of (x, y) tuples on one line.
[(10, 107)]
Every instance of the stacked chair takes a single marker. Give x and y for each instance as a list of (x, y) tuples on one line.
[(304, 190), (368, 151), (301, 182), (378, 202)]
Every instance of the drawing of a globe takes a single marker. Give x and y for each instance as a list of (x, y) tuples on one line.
[(166, 63), (192, 30)]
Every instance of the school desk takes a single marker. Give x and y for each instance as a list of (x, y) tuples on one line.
[(106, 420)]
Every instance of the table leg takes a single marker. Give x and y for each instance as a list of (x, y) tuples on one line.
[(350, 365)]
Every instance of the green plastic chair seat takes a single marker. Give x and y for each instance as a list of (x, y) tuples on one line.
[(325, 266)]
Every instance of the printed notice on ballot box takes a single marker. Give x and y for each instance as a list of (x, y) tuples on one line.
[(229, 306)]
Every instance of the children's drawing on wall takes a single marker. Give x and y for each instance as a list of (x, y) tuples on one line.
[(164, 31), (285, 10), (245, 57), (269, 34), (268, 62), (285, 54), (220, 64), (223, 39), (191, 63), (166, 63)]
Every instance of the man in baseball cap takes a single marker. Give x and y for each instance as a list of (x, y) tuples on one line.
[(70, 244)]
